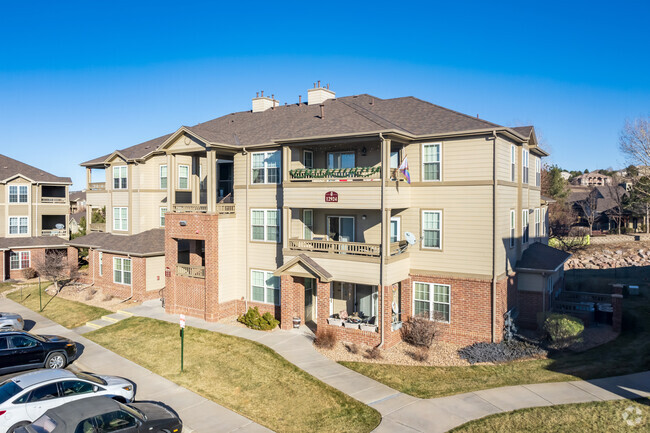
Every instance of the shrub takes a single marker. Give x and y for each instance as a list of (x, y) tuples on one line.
[(325, 338), (421, 354), (352, 348), (419, 331), (29, 273), (562, 328), (254, 320), (374, 353), (500, 352)]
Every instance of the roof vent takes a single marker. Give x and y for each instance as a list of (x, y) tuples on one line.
[(319, 94), (263, 103)]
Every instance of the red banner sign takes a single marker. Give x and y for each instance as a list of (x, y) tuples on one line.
[(331, 197)]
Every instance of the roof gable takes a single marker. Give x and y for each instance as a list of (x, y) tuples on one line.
[(10, 168)]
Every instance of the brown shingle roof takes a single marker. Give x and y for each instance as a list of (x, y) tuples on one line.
[(77, 195), (149, 243), (77, 216), (541, 257), (10, 167), (35, 241), (523, 130), (348, 115)]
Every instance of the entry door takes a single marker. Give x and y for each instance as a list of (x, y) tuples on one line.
[(310, 289), (367, 300), (340, 229)]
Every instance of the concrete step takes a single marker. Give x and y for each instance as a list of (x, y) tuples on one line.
[(84, 329), (99, 323), (124, 313)]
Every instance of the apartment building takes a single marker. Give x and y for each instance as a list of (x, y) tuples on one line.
[(33, 216), (301, 210)]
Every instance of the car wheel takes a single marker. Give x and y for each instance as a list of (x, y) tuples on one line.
[(55, 360), (15, 427)]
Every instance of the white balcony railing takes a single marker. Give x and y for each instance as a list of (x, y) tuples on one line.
[(55, 232), (190, 271), (97, 227), (97, 186), (334, 247), (189, 207)]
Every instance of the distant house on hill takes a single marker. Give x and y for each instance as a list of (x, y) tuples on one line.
[(606, 204), (592, 179)]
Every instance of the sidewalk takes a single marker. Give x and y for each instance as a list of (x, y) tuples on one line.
[(199, 415), (407, 414)]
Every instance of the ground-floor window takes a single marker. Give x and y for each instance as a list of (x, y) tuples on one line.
[(265, 287), (19, 260), (432, 300), (121, 270)]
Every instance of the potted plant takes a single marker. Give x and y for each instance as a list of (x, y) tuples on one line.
[(351, 325), (370, 328), (335, 321)]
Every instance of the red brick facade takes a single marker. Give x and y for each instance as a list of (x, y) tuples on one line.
[(35, 255)]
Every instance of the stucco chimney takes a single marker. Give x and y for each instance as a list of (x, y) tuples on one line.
[(263, 103), (319, 94)]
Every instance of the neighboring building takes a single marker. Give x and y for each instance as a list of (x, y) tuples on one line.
[(33, 215), (606, 200), (74, 221), (565, 175), (592, 179), (77, 201), (301, 210)]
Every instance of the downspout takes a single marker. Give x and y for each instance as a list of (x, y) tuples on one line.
[(494, 236), (382, 237), (246, 230)]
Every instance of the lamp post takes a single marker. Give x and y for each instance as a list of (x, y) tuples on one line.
[(40, 295)]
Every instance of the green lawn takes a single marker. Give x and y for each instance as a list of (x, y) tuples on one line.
[(629, 353), (65, 312), (604, 416), (241, 375)]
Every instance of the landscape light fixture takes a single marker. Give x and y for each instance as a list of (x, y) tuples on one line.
[(182, 223)]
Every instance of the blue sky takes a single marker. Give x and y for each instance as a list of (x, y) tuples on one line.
[(80, 79)]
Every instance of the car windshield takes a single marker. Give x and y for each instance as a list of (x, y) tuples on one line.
[(8, 389), (91, 378), (44, 424), (38, 337), (133, 411)]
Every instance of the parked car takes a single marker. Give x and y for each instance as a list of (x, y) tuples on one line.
[(103, 415), (11, 321), (20, 350), (26, 397)]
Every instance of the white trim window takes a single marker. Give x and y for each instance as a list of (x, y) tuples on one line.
[(265, 225), (538, 171), (432, 229), (266, 167), (537, 223), (19, 260), (163, 211), (121, 218), (524, 165), (513, 222), (163, 177), (101, 263), (120, 177), (395, 229), (183, 177), (432, 301), (265, 287), (122, 271), (308, 158), (18, 194), (525, 226), (308, 222), (544, 222), (431, 161), (18, 225), (513, 163)]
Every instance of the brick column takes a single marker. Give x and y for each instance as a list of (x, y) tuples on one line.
[(287, 301), (171, 259), (406, 298), (323, 300), (73, 259), (212, 269), (617, 306)]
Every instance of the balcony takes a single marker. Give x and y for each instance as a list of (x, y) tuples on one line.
[(60, 200), (190, 271), (97, 186), (190, 208), (97, 227), (336, 174), (346, 248), (63, 233)]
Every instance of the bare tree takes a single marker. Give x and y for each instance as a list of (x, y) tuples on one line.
[(634, 141), (589, 206), (617, 195), (53, 266)]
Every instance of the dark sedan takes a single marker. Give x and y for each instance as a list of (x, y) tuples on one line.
[(103, 415), (20, 350)]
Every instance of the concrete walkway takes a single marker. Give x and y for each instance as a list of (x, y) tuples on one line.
[(404, 413), (199, 415)]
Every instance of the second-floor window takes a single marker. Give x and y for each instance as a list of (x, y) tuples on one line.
[(183, 176), (513, 163), (538, 171), (537, 223), (163, 211), (432, 229), (18, 193), (265, 225), (120, 177), (266, 167), (431, 161), (308, 221), (18, 225), (512, 228), (121, 218), (525, 226), (163, 177), (524, 165), (121, 271)]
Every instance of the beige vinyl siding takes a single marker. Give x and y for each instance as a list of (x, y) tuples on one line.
[(155, 273), (467, 160), (507, 201), (503, 159)]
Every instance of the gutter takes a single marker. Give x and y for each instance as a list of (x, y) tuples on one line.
[(383, 240)]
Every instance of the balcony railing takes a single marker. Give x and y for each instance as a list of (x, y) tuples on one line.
[(330, 174), (53, 200), (190, 271), (188, 207), (97, 186), (398, 247), (55, 232), (334, 247), (97, 227), (225, 208)]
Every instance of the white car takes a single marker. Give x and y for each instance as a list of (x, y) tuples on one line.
[(26, 397)]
